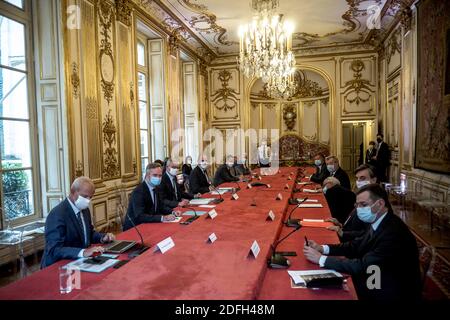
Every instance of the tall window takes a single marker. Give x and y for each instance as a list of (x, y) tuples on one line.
[(143, 104), (17, 183), (151, 96)]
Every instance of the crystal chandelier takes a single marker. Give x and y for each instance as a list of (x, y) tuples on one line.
[(265, 49)]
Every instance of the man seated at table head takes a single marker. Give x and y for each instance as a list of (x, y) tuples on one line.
[(172, 193), (241, 166), (337, 172), (69, 232), (146, 204), (321, 169), (223, 173), (353, 227), (200, 179), (340, 200), (388, 246)]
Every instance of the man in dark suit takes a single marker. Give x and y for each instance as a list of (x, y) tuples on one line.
[(171, 192), (340, 200), (382, 158), (384, 262), (68, 229), (241, 166), (146, 204), (223, 173), (353, 227), (199, 180), (337, 172), (370, 153), (321, 169)]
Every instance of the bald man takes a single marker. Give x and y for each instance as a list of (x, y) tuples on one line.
[(69, 232)]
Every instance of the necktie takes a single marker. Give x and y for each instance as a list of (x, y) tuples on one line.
[(153, 193), (174, 185), (83, 230), (206, 175)]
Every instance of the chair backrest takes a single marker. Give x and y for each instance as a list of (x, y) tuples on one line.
[(426, 258)]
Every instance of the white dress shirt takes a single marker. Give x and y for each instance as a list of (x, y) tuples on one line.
[(326, 249)]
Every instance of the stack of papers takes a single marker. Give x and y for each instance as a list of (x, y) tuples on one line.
[(311, 205), (89, 267), (300, 277), (177, 219), (192, 213), (201, 201), (311, 190), (315, 223)]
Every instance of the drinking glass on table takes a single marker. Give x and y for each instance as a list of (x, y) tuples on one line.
[(68, 279)]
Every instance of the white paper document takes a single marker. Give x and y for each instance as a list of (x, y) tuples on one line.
[(210, 206), (311, 190), (313, 220), (297, 275), (307, 200), (200, 201), (311, 205), (88, 267)]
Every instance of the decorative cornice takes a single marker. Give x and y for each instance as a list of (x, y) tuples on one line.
[(124, 9)]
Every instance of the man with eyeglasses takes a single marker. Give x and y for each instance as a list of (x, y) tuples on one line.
[(68, 229), (388, 245)]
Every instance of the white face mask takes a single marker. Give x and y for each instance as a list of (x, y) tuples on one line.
[(82, 203), (173, 171), (230, 164), (330, 168), (318, 163), (189, 161), (204, 165), (360, 184)]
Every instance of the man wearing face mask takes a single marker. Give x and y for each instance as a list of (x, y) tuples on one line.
[(223, 173), (353, 227), (199, 180), (146, 204), (321, 169), (337, 172), (241, 166), (264, 154), (172, 194), (187, 167), (340, 200), (370, 153), (381, 158), (68, 229), (387, 244)]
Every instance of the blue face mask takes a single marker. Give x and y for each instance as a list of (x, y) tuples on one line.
[(318, 163), (330, 168), (365, 214), (155, 181)]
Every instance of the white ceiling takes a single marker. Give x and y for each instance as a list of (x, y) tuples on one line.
[(318, 23)]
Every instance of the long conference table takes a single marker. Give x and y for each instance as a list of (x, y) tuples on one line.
[(197, 270)]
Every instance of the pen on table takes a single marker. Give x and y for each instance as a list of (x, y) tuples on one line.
[(306, 241)]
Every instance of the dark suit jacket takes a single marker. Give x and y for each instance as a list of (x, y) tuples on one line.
[(353, 227), (198, 182), (392, 248), (64, 236), (186, 169), (321, 174), (141, 207), (343, 178), (341, 202), (168, 192), (383, 156), (223, 175), (369, 155), (242, 169)]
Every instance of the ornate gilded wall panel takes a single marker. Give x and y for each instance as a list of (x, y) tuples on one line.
[(225, 94), (93, 115)]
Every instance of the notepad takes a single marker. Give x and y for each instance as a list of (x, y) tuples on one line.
[(310, 205), (302, 277), (201, 201), (311, 190), (192, 213), (88, 267), (315, 223)]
